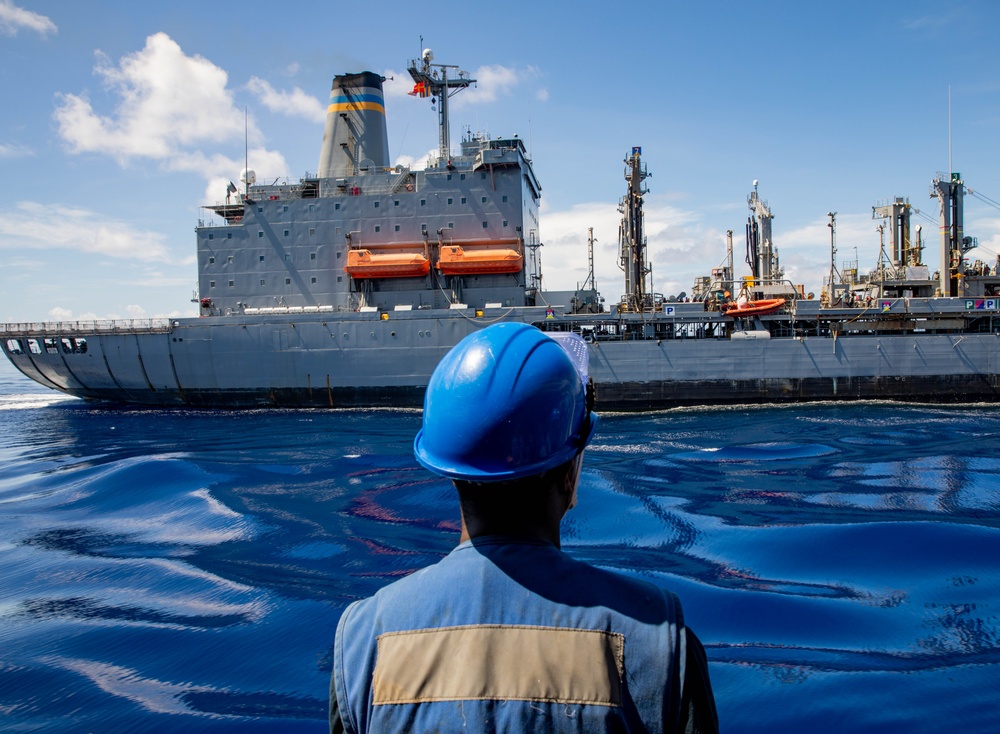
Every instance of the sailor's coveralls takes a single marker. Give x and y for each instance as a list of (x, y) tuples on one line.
[(506, 635)]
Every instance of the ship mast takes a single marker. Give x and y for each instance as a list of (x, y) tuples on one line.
[(632, 237), (432, 81)]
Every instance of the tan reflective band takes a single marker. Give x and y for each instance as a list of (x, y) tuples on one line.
[(498, 662)]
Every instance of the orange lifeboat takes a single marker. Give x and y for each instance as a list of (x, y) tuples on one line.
[(366, 264), (755, 308), (456, 260)]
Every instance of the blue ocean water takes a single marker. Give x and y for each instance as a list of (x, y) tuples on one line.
[(185, 570)]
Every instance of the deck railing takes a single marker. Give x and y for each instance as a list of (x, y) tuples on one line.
[(103, 326)]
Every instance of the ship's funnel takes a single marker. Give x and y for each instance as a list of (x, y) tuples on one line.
[(355, 135)]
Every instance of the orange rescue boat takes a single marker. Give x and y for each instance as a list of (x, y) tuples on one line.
[(755, 308), (366, 264), (456, 260)]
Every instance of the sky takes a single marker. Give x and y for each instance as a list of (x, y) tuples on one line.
[(120, 120)]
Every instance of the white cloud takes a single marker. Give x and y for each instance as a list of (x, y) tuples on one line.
[(268, 163), (13, 150), (60, 314), (493, 82), (293, 104), (397, 84), (168, 101), (14, 19), (678, 244), (416, 163), (169, 104), (989, 246), (31, 225)]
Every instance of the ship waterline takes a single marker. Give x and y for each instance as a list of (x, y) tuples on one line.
[(370, 359)]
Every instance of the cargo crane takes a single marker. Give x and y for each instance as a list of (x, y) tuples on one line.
[(954, 244), (632, 237), (762, 256)]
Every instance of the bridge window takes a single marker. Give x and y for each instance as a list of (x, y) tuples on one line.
[(14, 346), (51, 346), (33, 346), (67, 345)]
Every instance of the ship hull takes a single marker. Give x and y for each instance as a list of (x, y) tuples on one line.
[(385, 360)]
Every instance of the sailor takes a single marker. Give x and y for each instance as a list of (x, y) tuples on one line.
[(508, 633)]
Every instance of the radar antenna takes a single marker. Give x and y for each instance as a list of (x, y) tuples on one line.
[(432, 80)]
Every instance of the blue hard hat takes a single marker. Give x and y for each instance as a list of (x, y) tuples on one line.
[(506, 402)]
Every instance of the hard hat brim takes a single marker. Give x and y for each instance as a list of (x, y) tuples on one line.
[(483, 474)]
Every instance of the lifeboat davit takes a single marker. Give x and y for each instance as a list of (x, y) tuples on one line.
[(755, 308), (366, 264), (456, 260)]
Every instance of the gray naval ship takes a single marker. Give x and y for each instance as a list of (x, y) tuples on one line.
[(346, 289)]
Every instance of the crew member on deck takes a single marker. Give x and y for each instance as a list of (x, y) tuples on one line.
[(508, 633)]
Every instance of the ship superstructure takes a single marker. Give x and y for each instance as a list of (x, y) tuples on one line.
[(362, 234)]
